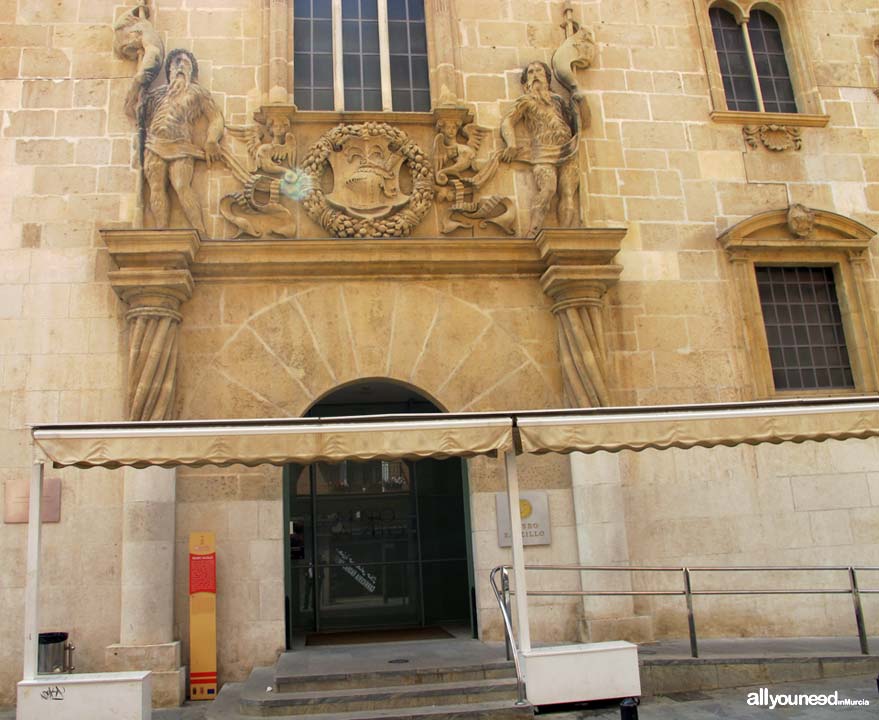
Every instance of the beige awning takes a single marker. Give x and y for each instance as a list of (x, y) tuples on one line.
[(272, 442), (704, 426)]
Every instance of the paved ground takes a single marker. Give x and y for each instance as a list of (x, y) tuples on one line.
[(707, 705), (717, 704)]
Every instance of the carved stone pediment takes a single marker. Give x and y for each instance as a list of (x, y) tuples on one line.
[(773, 230), (382, 183)]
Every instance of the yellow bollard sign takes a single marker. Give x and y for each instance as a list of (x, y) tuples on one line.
[(202, 616)]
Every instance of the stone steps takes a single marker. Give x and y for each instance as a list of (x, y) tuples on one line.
[(448, 692), (290, 682)]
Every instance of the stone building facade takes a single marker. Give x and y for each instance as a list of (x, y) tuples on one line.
[(447, 252)]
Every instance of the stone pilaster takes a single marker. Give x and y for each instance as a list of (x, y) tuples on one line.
[(579, 270), (153, 278)]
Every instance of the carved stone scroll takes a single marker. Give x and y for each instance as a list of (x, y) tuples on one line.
[(154, 280), (579, 272)]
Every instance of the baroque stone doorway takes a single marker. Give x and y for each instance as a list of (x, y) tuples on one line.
[(376, 545)]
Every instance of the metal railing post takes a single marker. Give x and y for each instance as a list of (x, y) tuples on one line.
[(859, 611), (505, 590), (691, 618)]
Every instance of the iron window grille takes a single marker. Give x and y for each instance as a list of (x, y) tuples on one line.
[(804, 328)]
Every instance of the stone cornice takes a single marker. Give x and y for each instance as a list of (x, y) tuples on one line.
[(333, 258), (152, 248), (579, 246), (739, 117), (297, 116)]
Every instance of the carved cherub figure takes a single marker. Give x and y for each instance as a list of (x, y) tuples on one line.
[(452, 158), (800, 220), (259, 208)]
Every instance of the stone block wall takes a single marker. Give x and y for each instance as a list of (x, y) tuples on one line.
[(652, 161)]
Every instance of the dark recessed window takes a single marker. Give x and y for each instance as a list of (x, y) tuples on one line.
[(379, 70), (804, 329), (752, 62)]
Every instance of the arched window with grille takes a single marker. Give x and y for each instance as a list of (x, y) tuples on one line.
[(752, 62), (360, 55)]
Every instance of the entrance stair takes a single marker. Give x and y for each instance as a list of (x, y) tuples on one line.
[(433, 680)]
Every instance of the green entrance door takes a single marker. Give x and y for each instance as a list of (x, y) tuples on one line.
[(379, 544)]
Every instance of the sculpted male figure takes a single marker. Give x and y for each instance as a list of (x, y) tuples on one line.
[(171, 112), (552, 125)]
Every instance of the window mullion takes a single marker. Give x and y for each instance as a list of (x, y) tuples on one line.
[(384, 54), (755, 78), (338, 74)]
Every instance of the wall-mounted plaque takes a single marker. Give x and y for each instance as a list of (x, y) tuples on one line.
[(534, 508), (17, 497)]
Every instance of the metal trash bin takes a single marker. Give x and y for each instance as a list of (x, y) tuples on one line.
[(55, 654)]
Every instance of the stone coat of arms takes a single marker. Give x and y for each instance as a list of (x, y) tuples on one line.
[(368, 199)]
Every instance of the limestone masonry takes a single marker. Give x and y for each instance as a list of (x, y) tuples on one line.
[(552, 204)]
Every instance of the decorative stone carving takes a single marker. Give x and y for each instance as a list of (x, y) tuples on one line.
[(170, 113), (579, 271), (577, 51), (553, 126), (269, 180), (800, 220), (774, 137), (135, 38), (154, 280), (370, 195), (459, 174)]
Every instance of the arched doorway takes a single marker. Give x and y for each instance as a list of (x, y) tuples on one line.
[(381, 544)]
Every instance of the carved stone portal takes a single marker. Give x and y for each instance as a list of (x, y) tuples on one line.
[(382, 181)]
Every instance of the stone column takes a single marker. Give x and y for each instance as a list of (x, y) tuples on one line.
[(153, 278), (579, 271), (442, 50), (279, 38)]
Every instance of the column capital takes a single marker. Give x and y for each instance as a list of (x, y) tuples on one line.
[(579, 246), (153, 266), (579, 263), (171, 249)]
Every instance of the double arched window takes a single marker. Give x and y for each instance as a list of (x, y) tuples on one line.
[(360, 55), (756, 55)]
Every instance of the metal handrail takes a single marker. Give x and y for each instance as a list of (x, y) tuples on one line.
[(508, 629), (686, 572)]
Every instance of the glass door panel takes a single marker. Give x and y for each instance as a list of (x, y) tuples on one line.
[(366, 542)]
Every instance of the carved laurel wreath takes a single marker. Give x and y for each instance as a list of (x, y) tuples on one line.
[(340, 223)]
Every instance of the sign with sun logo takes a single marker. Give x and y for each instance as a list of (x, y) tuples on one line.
[(534, 509)]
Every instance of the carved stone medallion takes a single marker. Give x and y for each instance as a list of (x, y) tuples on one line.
[(774, 137), (382, 181)]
